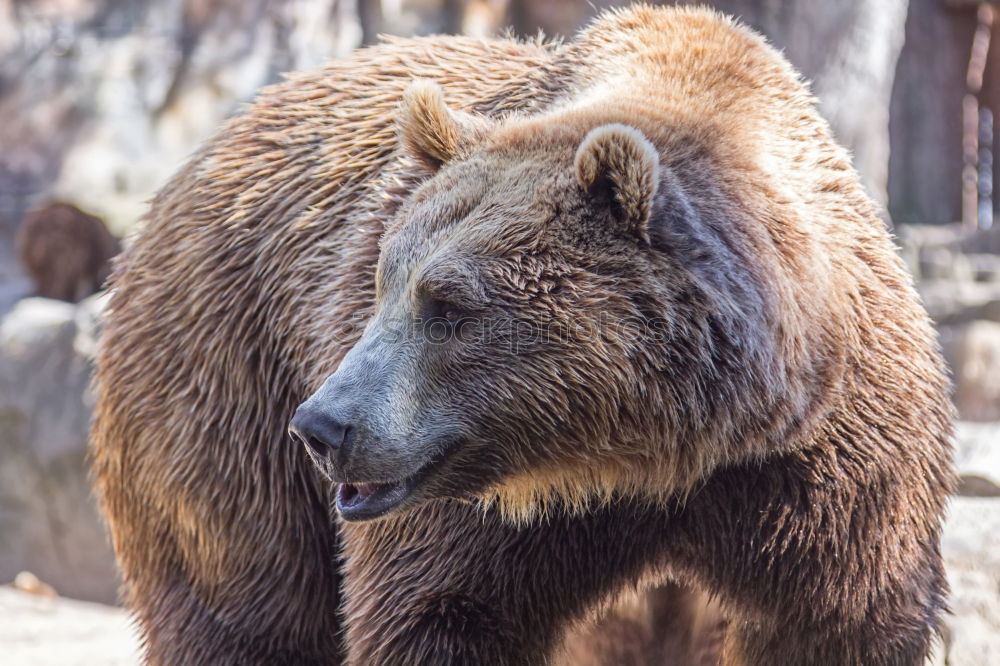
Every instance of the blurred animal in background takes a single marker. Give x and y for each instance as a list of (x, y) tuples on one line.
[(66, 252)]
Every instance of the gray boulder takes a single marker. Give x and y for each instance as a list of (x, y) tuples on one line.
[(48, 516), (973, 352), (977, 458), (971, 548), (43, 631)]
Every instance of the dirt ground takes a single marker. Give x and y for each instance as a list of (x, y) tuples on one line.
[(41, 631)]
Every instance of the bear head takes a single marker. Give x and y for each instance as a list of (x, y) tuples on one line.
[(554, 321)]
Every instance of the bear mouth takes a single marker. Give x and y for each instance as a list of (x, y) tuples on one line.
[(367, 501)]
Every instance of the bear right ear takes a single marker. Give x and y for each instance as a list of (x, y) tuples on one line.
[(430, 132), (620, 167)]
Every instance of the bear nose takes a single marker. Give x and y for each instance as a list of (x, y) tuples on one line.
[(318, 430)]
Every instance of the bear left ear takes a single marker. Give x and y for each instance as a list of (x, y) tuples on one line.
[(617, 164), (430, 132)]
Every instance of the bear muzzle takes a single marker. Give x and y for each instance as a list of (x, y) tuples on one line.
[(374, 480)]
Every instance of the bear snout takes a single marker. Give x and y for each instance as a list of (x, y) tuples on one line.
[(324, 435), (344, 442)]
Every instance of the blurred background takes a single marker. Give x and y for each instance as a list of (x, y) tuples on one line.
[(101, 100)]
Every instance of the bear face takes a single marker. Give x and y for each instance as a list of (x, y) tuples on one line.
[(540, 300)]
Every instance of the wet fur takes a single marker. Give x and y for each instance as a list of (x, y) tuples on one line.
[(801, 461), (253, 273)]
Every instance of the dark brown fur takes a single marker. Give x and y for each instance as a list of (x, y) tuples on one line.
[(789, 453), (67, 253)]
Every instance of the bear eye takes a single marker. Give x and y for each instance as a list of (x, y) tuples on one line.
[(444, 322), (445, 310)]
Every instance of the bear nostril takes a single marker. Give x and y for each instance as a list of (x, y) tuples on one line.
[(317, 446), (318, 431)]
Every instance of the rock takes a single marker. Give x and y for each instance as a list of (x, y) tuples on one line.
[(11, 291), (88, 323), (971, 549), (974, 485), (985, 267), (952, 303), (973, 352), (940, 263), (977, 459), (990, 311), (48, 516), (958, 313), (63, 632), (28, 582), (958, 281)]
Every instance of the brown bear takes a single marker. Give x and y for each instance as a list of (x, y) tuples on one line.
[(617, 313), (66, 252)]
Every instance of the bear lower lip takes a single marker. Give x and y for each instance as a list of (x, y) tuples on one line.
[(364, 501)]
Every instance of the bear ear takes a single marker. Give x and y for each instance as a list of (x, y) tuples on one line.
[(616, 164), (430, 132)]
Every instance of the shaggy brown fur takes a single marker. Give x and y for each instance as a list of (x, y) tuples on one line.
[(252, 276), (66, 252), (782, 443)]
